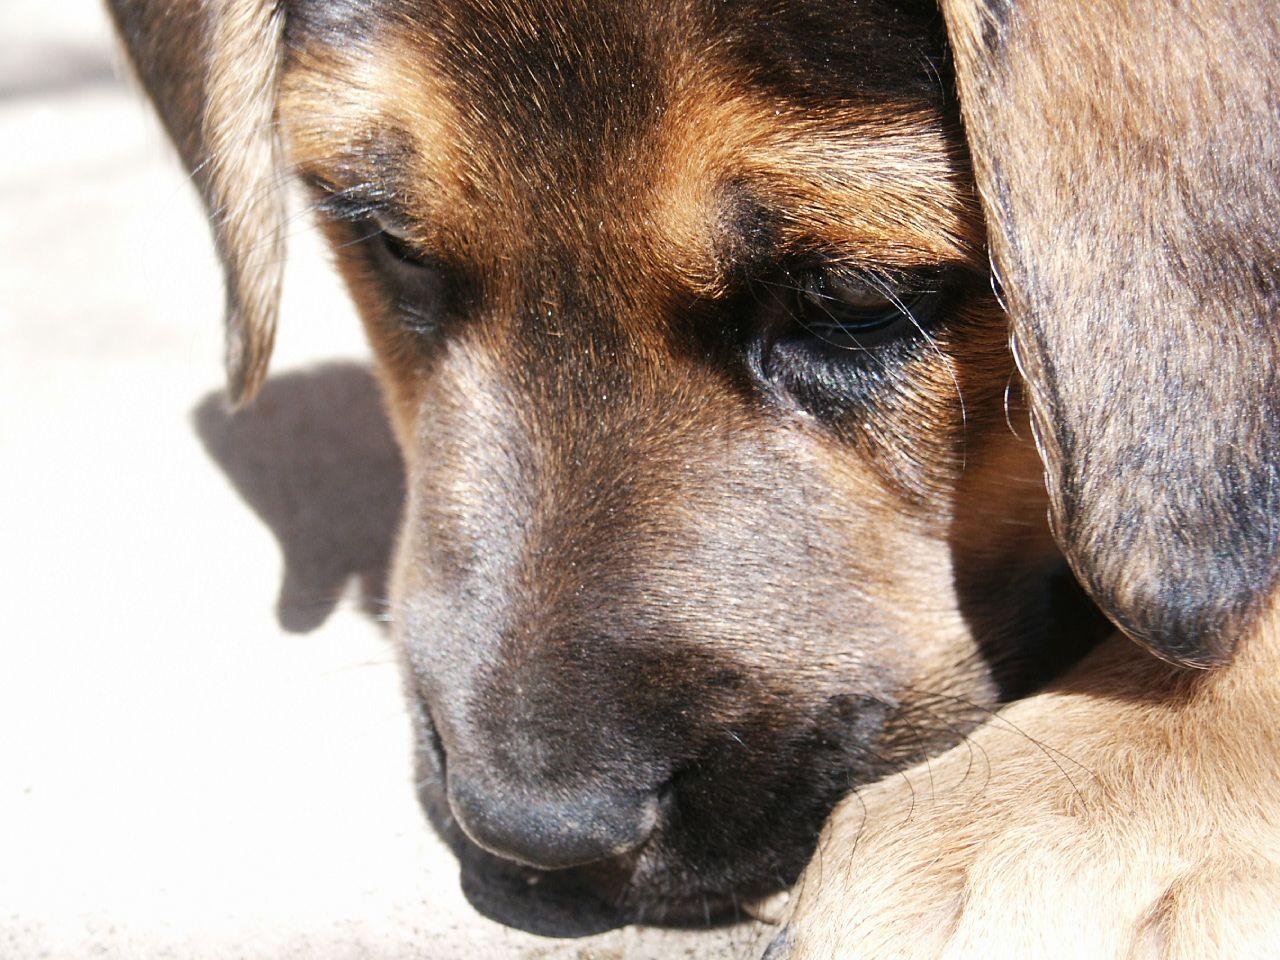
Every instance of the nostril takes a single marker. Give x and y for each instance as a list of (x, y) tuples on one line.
[(554, 833)]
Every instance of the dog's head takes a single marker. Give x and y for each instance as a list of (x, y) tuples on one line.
[(722, 492)]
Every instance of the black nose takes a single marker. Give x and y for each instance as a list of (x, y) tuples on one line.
[(553, 832)]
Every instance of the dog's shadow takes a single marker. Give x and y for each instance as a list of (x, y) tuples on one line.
[(315, 459)]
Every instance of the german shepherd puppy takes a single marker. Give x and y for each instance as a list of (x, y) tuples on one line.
[(694, 324)]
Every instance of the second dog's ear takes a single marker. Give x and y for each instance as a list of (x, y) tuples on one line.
[(211, 68), (1128, 157)]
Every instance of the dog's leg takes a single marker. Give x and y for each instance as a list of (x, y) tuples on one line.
[(1132, 810)]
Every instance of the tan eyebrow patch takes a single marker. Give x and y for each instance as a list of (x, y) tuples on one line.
[(880, 184), (342, 111)]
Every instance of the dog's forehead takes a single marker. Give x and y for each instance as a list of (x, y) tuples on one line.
[(819, 50), (538, 116)]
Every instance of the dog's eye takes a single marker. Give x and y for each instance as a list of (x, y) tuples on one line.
[(417, 280), (859, 311), (376, 230), (831, 335), (395, 245)]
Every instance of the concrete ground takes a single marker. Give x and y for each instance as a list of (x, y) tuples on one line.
[(203, 749)]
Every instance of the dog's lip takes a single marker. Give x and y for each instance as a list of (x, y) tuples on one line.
[(626, 889), (617, 888)]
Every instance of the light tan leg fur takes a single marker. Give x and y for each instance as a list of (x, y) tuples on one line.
[(1132, 810)]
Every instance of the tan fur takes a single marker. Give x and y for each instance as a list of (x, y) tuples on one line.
[(1127, 157), (1128, 811), (212, 69), (882, 184), (335, 103), (243, 181), (885, 186)]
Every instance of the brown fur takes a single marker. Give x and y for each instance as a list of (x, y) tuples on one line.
[(673, 576), (1165, 485)]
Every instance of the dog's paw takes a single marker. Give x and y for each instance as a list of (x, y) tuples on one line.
[(1081, 822)]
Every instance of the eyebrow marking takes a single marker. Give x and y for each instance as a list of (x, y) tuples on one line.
[(883, 184), (896, 196)]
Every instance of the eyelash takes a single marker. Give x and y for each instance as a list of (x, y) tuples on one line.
[(853, 308), (418, 307), (364, 207), (349, 205)]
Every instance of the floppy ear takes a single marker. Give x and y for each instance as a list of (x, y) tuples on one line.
[(1128, 157), (211, 68)]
